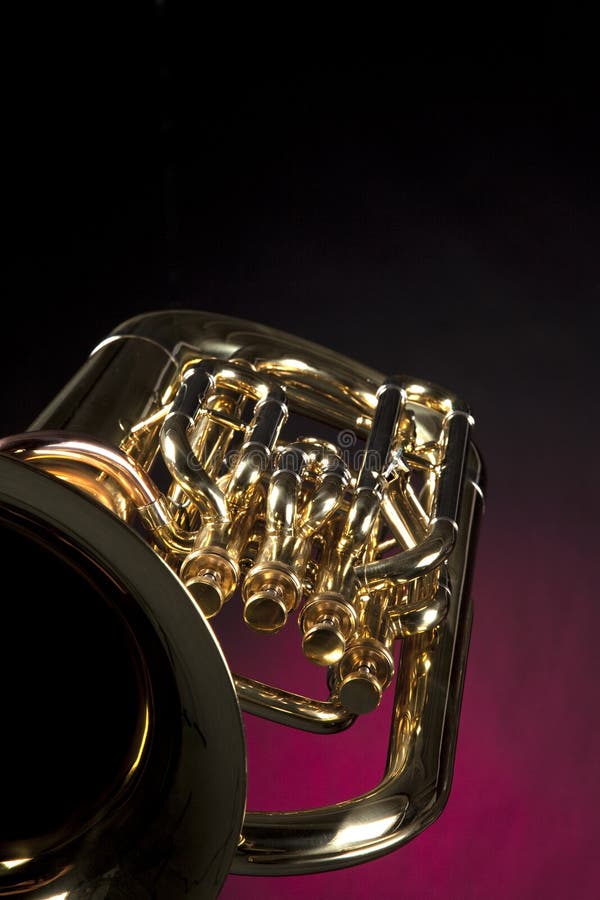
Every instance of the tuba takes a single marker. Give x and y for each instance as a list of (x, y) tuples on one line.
[(197, 460)]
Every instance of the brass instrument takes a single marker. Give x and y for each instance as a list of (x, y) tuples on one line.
[(185, 467)]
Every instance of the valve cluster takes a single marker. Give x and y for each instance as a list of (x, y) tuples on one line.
[(295, 526)]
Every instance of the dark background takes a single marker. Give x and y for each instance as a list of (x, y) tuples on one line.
[(419, 214)]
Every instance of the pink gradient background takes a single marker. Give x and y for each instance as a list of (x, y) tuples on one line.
[(521, 818)]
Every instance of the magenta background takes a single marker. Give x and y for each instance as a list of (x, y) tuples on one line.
[(521, 820)]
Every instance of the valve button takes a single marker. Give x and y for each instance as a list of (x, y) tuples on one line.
[(323, 644), (265, 611), (360, 692), (206, 594)]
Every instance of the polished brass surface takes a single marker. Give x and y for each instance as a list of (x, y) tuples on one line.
[(368, 538)]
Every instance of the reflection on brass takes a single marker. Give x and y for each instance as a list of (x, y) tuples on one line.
[(294, 516), (366, 538)]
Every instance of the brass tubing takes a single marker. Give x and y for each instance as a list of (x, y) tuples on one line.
[(319, 382), (391, 399), (328, 570), (241, 376), (365, 668), (181, 461), (198, 380), (282, 505), (273, 586), (209, 439), (215, 431), (370, 482), (321, 459), (334, 477), (413, 563), (270, 415), (457, 442), (95, 485), (211, 572), (406, 519), (327, 620), (286, 708), (46, 447), (436, 547), (43, 446), (191, 477), (422, 615), (306, 370), (416, 784)]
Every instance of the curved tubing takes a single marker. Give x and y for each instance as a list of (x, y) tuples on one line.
[(430, 680), (181, 461), (42, 446), (45, 447), (187, 471), (352, 386), (423, 616), (270, 415), (437, 546), (415, 787), (286, 708), (333, 474), (409, 564)]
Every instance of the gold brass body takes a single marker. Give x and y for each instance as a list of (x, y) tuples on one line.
[(367, 536)]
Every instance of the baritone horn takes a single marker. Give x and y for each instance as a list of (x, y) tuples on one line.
[(197, 460)]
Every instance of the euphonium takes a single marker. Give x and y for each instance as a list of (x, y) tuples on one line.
[(197, 460)]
